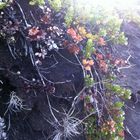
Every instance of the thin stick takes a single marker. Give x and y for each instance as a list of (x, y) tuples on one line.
[(66, 58), (11, 50), (23, 15), (56, 120), (58, 82), (129, 132)]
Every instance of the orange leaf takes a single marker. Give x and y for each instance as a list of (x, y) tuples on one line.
[(45, 19), (82, 31), (33, 31), (71, 31), (84, 62), (74, 35), (103, 66), (77, 38), (74, 49), (91, 62), (88, 68)]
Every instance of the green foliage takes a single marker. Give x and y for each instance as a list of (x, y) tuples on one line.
[(38, 2), (83, 12), (56, 4), (114, 24), (119, 104), (122, 39), (110, 129), (89, 49), (2, 5), (5, 3), (110, 27), (89, 81), (104, 27), (69, 16), (92, 131), (118, 90), (102, 32)]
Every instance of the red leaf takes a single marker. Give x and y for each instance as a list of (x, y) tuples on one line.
[(73, 49)]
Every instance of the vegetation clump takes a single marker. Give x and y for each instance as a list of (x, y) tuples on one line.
[(89, 36)]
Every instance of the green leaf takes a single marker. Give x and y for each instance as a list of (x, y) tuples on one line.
[(56, 4), (127, 94), (32, 2), (89, 49), (119, 104), (38, 2), (2, 5), (88, 81), (69, 16), (102, 32), (122, 39)]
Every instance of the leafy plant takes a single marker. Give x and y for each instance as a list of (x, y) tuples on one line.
[(38, 2), (89, 81), (5, 3), (69, 17), (119, 91), (92, 130), (55, 4), (2, 5), (91, 34), (89, 49)]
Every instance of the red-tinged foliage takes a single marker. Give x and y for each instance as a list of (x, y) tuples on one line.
[(108, 56), (45, 19), (51, 89), (99, 56), (36, 34), (74, 49), (119, 62), (109, 126), (101, 41), (103, 66), (71, 31), (65, 43), (81, 97), (33, 31), (74, 35), (121, 133)]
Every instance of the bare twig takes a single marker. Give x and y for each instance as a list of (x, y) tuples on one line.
[(66, 58), (128, 107), (56, 62), (129, 132), (23, 15), (11, 50), (80, 65), (50, 107)]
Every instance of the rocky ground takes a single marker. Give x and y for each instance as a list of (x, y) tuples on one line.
[(131, 79)]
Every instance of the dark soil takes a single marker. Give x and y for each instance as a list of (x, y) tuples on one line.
[(32, 125)]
